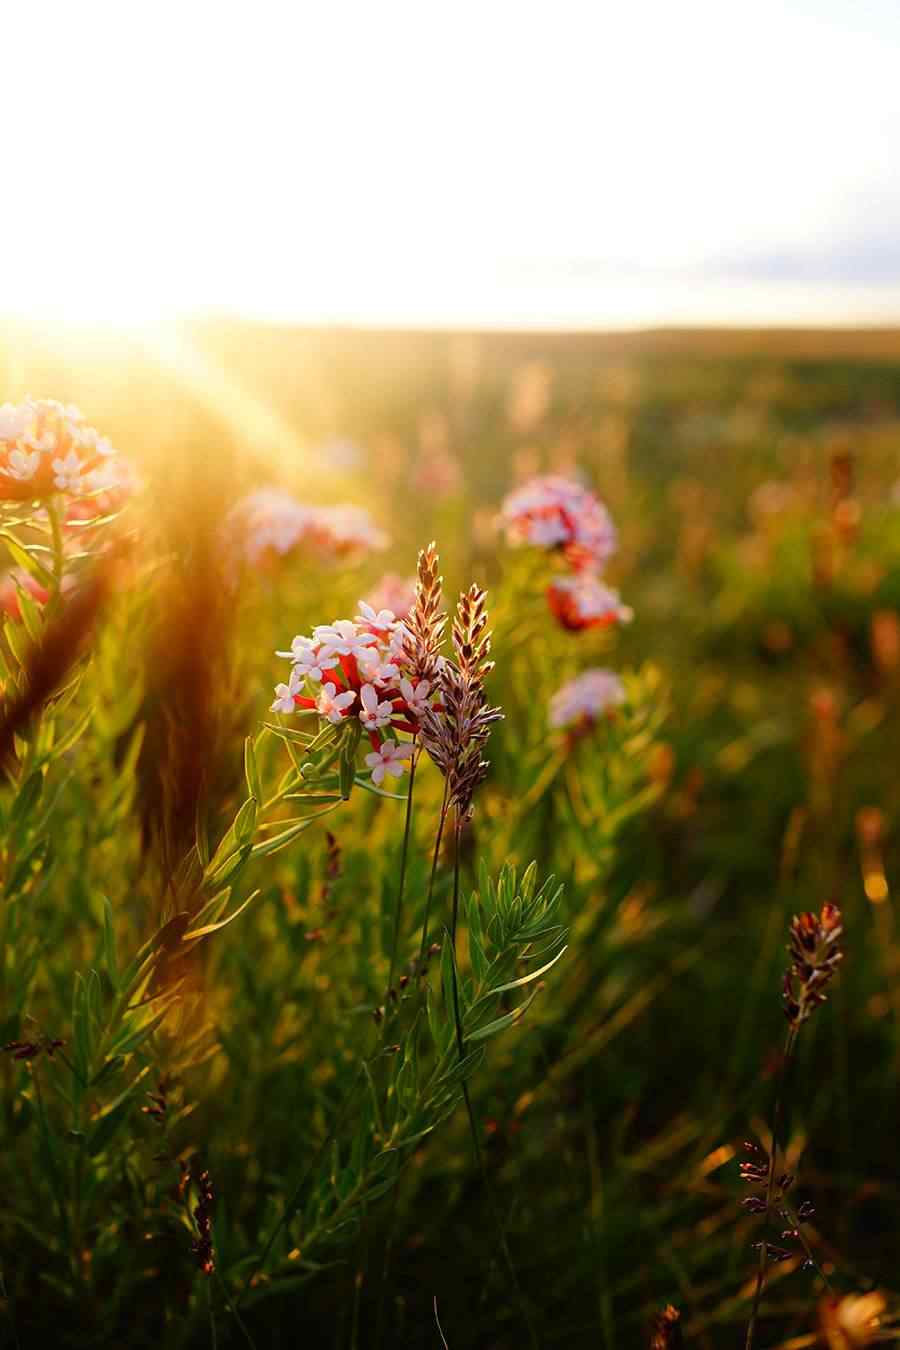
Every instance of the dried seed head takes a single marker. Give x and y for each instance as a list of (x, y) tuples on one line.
[(426, 621), (816, 953), (666, 1330), (456, 732), (471, 640)]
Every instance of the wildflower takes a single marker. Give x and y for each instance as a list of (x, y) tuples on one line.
[(582, 601), (46, 447), (815, 949), (284, 694), (352, 660), (377, 621), (394, 593), (270, 523), (22, 465), (416, 696), (67, 472), (13, 422), (552, 512), (343, 638), (374, 669), (309, 659), (591, 695), (345, 531), (388, 759), (374, 714), (333, 706)]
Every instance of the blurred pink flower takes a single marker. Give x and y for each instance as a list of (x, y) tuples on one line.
[(595, 693), (395, 593), (582, 601), (557, 513)]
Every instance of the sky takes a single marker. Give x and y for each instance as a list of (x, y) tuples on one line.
[(557, 164)]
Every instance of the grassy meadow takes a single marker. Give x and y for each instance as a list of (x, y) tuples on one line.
[(296, 1055)]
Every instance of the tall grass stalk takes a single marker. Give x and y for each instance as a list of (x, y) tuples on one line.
[(777, 1111), (404, 858)]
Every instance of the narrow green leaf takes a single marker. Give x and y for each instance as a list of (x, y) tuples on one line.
[(194, 933)]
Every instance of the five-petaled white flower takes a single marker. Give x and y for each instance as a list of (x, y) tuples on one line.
[(284, 695), (309, 659), (67, 472), (374, 714), (13, 421), (373, 669), (388, 759), (331, 705), (415, 696), (400, 635), (343, 638), (21, 465), (382, 619)]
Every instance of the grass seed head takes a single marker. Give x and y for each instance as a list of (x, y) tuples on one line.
[(816, 953), (426, 621)]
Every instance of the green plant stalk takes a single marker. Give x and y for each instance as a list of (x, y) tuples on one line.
[(59, 556), (435, 858), (404, 857), (470, 1110), (770, 1183), (291, 1207)]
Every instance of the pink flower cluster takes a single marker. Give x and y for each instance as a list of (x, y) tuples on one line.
[(47, 448), (269, 523), (583, 601), (592, 694), (356, 668), (394, 592), (552, 512), (558, 514)]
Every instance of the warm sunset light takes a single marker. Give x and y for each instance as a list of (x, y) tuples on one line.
[(449, 675), (501, 164)]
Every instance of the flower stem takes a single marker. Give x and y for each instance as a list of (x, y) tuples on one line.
[(435, 858), (470, 1110), (58, 550), (398, 911), (770, 1183)]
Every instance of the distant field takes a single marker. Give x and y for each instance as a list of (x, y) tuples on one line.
[(744, 771)]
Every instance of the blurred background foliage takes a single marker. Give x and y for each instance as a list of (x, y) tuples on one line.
[(755, 482)]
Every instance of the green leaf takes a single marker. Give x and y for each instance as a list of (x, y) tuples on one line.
[(368, 786), (286, 837), (25, 559), (31, 616), (500, 1023), (129, 1041), (27, 799), (75, 732), (194, 933), (251, 770), (523, 979), (113, 1117)]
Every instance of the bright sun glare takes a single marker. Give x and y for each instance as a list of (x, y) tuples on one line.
[(505, 164)]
